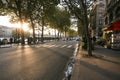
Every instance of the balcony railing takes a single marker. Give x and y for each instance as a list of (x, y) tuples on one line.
[(112, 4)]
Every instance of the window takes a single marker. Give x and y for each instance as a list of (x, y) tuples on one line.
[(100, 21)]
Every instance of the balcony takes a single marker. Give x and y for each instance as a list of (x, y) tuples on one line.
[(112, 4)]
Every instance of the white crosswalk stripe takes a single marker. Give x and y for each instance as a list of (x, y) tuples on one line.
[(55, 46), (63, 46), (49, 46), (69, 46)]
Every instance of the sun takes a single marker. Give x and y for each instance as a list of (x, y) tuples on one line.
[(24, 26)]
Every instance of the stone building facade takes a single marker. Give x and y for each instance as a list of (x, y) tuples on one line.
[(112, 23), (97, 17), (112, 13), (5, 32)]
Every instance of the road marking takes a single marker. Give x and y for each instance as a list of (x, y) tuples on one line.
[(51, 46), (63, 46), (69, 46), (46, 45), (56, 46)]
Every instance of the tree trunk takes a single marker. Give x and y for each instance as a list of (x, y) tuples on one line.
[(22, 31), (42, 38), (89, 42), (22, 35), (55, 33), (65, 32), (33, 29), (58, 34)]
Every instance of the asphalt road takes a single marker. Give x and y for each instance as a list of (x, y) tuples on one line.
[(36, 62)]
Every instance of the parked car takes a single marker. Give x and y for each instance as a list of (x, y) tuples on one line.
[(3, 41)]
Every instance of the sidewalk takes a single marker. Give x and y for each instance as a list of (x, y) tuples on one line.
[(104, 65)]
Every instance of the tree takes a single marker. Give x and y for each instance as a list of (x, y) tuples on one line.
[(47, 6), (80, 9), (33, 11), (16, 33), (60, 20), (38, 13), (2, 6), (72, 33), (80, 28), (16, 7)]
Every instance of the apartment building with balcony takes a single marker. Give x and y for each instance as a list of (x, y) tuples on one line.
[(112, 23), (97, 17), (112, 13)]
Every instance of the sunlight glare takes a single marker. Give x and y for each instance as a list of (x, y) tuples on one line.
[(25, 26), (4, 20)]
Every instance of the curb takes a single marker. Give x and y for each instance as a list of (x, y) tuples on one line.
[(71, 64)]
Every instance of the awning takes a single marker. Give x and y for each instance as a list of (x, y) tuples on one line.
[(114, 27), (109, 28)]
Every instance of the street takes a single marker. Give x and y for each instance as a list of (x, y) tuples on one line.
[(36, 62)]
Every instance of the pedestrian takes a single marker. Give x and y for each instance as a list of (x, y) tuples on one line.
[(94, 39), (11, 41), (0, 42)]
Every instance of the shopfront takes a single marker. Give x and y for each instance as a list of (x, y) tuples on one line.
[(115, 35)]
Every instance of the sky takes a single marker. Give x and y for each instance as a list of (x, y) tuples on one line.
[(4, 20)]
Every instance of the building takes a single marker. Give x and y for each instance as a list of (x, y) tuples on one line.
[(97, 17), (5, 32), (112, 23), (112, 13)]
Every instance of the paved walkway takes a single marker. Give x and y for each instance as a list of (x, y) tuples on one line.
[(104, 65)]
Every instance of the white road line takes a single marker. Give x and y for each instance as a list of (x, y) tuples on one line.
[(56, 46), (69, 46), (44, 45), (63, 46), (50, 45)]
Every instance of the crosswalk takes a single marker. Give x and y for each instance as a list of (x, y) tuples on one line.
[(48, 46), (57, 46)]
